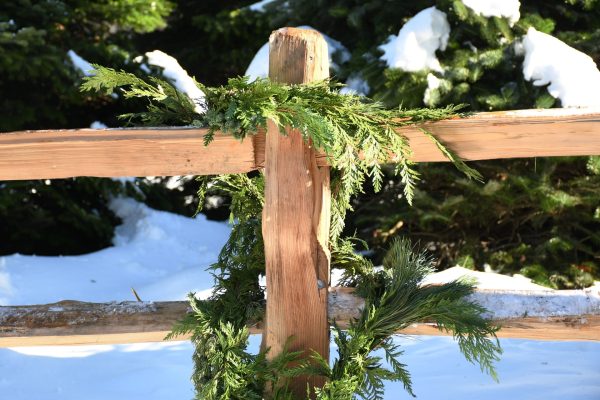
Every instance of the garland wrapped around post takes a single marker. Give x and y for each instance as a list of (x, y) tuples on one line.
[(282, 216)]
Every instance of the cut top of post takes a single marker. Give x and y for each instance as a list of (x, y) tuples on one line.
[(294, 47)]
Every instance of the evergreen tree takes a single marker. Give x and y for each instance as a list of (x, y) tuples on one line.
[(39, 88), (39, 83), (212, 40)]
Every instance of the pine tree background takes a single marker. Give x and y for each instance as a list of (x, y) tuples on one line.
[(540, 217)]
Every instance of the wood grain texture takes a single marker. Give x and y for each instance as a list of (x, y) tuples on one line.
[(75, 318), (511, 134), (296, 216), (120, 152), (180, 151), (554, 315)]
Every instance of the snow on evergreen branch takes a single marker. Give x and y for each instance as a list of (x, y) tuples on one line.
[(571, 75)]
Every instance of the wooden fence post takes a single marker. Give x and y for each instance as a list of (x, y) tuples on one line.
[(296, 214)]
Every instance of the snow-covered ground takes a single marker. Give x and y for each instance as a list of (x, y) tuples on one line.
[(163, 256)]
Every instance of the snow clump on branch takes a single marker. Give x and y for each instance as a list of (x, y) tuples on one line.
[(80, 64), (572, 75), (496, 8), (178, 77), (415, 46)]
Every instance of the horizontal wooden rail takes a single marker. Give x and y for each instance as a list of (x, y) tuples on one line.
[(180, 151), (543, 315), (120, 152)]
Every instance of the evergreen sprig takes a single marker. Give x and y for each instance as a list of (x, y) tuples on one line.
[(357, 135), (395, 299)]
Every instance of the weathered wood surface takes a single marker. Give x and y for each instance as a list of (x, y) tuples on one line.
[(554, 315), (296, 215), (120, 152), (75, 322), (512, 134), (180, 151)]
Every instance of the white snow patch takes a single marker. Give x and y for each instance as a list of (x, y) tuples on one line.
[(6, 289), (538, 303), (59, 351), (415, 46), (572, 75), (527, 370), (259, 66), (144, 67), (163, 256), (336, 276), (80, 64), (178, 182), (178, 76), (433, 83), (496, 8), (516, 296), (98, 125), (355, 84), (484, 280), (259, 6)]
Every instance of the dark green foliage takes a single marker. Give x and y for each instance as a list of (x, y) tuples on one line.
[(357, 135), (395, 299), (223, 367), (39, 88), (167, 106), (40, 217), (216, 40), (39, 83), (537, 217), (213, 40), (480, 59)]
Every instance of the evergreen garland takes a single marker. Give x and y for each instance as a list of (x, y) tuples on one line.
[(357, 135)]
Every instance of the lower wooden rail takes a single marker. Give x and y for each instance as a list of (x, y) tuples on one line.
[(542, 315)]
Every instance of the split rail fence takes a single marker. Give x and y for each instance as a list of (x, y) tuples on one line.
[(295, 217)]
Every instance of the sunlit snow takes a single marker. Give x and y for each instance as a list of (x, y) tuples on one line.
[(573, 77), (496, 8), (356, 84), (178, 76), (164, 256), (415, 46)]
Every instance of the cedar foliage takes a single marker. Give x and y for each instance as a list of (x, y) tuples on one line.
[(344, 127)]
